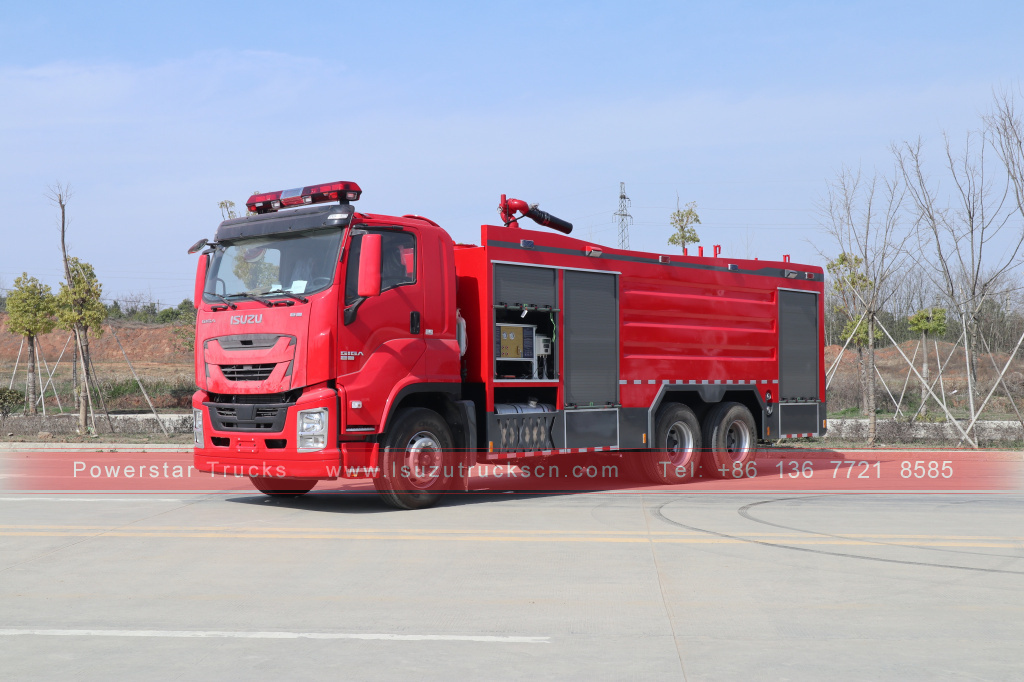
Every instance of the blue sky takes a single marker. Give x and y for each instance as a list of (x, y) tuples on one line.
[(155, 112)]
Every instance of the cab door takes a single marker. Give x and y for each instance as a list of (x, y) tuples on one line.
[(384, 334)]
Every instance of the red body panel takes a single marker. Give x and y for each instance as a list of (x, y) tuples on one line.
[(676, 324)]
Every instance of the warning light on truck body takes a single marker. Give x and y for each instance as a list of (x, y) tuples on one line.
[(268, 202)]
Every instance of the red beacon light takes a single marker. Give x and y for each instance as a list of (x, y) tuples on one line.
[(269, 202)]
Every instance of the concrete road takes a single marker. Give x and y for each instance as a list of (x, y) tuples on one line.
[(506, 586)]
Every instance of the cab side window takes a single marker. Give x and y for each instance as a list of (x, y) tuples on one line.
[(397, 260), (397, 263)]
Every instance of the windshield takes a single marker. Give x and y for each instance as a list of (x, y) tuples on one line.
[(299, 264)]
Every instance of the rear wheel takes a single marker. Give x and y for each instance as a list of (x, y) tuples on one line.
[(674, 456), (282, 487), (417, 461), (730, 441)]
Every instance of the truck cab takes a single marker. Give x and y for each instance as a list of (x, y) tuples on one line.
[(313, 324)]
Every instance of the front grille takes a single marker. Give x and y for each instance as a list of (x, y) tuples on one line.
[(245, 426), (247, 372), (241, 417), (257, 412)]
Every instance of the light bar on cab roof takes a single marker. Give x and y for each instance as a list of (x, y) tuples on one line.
[(268, 202)]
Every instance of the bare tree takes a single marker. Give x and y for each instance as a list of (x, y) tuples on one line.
[(912, 291), (1006, 131), (863, 216), (966, 238)]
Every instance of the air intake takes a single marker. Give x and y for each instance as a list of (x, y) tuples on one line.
[(247, 372)]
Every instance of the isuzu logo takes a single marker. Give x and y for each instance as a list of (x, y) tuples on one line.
[(246, 319)]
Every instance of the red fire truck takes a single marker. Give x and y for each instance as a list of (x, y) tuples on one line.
[(332, 343)]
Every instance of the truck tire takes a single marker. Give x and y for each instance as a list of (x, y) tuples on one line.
[(417, 461), (674, 456), (282, 487), (730, 441)]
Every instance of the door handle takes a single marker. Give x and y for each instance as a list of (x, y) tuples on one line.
[(414, 323)]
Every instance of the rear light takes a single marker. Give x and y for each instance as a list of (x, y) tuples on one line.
[(267, 202)]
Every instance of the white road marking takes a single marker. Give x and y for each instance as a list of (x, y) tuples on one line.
[(8, 632)]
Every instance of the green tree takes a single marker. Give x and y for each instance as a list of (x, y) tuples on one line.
[(80, 309), (30, 312), (167, 315), (78, 301), (683, 221), (847, 277), (927, 321), (147, 313), (59, 195), (184, 331), (187, 309)]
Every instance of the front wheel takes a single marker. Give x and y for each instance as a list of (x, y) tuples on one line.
[(282, 487), (730, 441), (417, 461)]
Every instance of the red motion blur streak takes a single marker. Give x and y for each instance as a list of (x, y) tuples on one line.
[(801, 471)]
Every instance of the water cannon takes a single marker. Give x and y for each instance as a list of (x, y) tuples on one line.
[(509, 207)]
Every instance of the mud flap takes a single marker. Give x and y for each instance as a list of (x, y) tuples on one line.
[(461, 418)]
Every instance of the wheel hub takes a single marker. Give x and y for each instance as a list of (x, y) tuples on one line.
[(737, 440), (679, 444), (423, 458)]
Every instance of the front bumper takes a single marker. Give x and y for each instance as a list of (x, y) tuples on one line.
[(272, 454)]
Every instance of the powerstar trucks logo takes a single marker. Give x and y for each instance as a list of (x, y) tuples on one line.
[(246, 319)]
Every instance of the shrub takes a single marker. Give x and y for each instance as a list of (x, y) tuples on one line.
[(10, 400)]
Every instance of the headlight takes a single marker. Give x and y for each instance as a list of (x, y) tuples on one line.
[(311, 422), (312, 429), (197, 426)]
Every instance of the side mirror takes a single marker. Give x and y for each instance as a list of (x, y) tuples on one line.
[(197, 294), (198, 245), (369, 266)]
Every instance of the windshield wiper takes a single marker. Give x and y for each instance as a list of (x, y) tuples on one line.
[(226, 301), (253, 298), (286, 294)]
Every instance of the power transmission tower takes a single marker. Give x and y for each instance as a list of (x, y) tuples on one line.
[(625, 220)]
